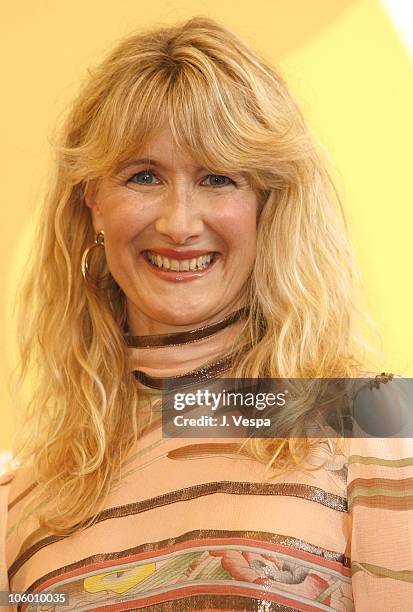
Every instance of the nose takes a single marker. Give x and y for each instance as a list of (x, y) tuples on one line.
[(179, 217)]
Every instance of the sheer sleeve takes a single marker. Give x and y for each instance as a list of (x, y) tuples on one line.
[(5, 484), (380, 500)]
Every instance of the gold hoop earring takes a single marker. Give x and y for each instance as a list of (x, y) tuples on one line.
[(89, 280)]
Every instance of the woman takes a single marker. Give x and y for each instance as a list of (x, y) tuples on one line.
[(192, 228)]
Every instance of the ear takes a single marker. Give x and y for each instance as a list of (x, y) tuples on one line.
[(90, 197)]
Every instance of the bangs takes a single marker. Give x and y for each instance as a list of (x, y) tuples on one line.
[(225, 110), (209, 116)]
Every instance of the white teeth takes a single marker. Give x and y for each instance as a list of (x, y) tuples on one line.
[(183, 265)]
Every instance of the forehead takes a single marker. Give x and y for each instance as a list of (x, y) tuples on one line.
[(161, 149)]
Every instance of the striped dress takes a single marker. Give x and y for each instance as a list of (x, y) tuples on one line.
[(192, 525)]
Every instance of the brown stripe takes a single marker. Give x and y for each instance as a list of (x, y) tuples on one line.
[(202, 535), (186, 380), (299, 490), (6, 482), (220, 601), (388, 483), (33, 537), (186, 337), (386, 502), (22, 495), (193, 451)]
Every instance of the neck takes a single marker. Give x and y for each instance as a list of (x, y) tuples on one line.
[(140, 323), (175, 356)]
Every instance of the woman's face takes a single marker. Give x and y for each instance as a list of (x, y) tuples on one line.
[(179, 242)]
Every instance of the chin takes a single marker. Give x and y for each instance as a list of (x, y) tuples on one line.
[(186, 317)]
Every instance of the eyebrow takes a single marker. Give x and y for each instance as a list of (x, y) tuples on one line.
[(130, 162), (144, 160)]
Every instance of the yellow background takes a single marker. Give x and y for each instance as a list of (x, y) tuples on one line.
[(348, 66)]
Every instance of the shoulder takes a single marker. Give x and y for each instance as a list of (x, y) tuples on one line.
[(6, 481), (380, 443), (7, 478), (380, 493), (15, 486), (380, 452)]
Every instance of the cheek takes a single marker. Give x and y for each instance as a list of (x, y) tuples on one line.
[(123, 221), (238, 227), (122, 224)]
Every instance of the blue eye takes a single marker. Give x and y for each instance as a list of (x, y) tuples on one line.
[(144, 173), (220, 177), (147, 174)]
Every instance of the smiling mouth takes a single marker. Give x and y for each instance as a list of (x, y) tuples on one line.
[(168, 264)]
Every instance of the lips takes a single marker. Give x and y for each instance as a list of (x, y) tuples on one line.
[(186, 268), (173, 254)]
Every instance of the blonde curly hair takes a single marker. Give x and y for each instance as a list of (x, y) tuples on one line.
[(82, 418)]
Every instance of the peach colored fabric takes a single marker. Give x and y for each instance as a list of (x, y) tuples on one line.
[(195, 526)]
